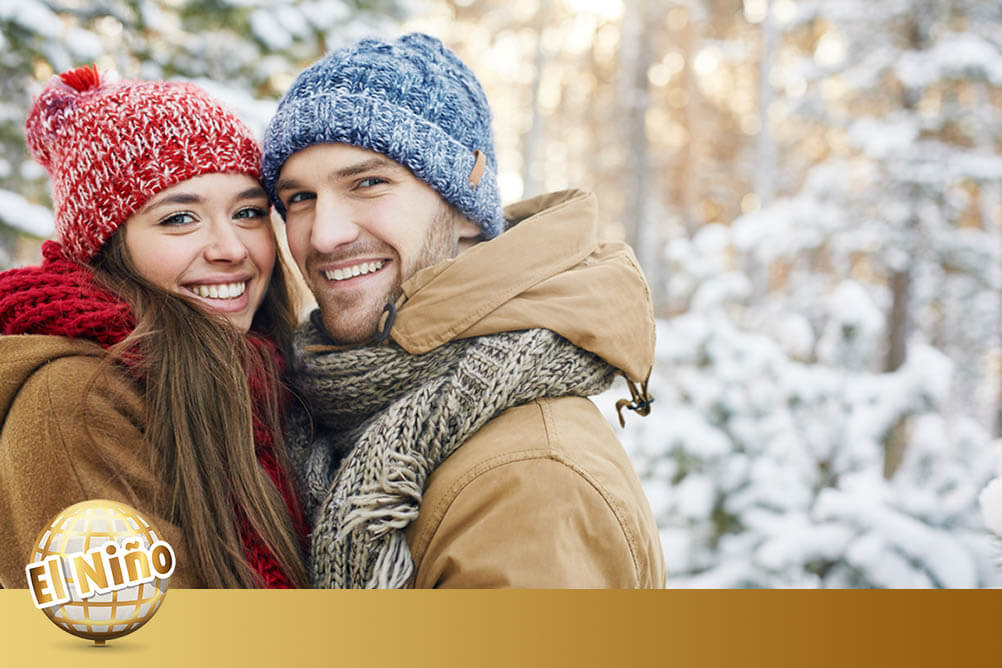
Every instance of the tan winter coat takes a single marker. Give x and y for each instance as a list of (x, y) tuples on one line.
[(543, 495), (64, 439)]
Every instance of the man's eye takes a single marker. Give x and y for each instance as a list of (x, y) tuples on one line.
[(301, 197), (181, 218), (370, 182), (251, 212)]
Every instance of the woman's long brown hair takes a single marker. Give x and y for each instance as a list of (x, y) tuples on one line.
[(199, 420)]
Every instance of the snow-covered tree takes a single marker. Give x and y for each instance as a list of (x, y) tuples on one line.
[(904, 96), (763, 457), (851, 319), (991, 509)]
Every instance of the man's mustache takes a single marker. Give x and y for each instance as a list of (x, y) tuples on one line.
[(358, 250)]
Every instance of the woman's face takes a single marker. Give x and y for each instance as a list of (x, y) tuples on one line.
[(209, 239)]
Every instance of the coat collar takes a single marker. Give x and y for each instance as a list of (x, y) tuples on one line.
[(548, 270)]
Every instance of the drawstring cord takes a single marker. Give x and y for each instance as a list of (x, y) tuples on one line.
[(640, 400), (386, 320)]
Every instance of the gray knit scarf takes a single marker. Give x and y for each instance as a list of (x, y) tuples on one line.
[(385, 419)]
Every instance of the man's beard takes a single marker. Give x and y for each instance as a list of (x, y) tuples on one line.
[(441, 243)]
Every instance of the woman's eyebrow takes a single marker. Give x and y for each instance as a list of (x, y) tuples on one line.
[(256, 192), (177, 198)]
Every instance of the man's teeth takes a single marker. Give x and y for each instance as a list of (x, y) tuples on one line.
[(220, 290), (352, 272)]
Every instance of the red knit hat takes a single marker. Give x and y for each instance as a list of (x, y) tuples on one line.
[(111, 146)]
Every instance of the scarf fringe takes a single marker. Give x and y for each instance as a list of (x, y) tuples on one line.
[(394, 502), (394, 566)]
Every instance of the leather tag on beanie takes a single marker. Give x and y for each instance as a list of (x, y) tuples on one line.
[(478, 168)]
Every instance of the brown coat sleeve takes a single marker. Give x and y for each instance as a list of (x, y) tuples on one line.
[(542, 497), (67, 440), (533, 523)]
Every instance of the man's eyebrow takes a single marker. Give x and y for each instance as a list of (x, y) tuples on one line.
[(345, 172), (364, 166), (252, 193), (287, 184)]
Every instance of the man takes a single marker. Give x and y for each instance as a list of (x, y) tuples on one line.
[(447, 366)]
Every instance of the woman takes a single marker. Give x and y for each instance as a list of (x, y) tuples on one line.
[(148, 363)]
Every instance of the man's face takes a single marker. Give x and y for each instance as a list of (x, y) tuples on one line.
[(359, 225)]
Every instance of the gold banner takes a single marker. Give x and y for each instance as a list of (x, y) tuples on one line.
[(411, 629)]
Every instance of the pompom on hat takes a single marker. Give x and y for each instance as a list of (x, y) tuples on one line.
[(110, 146), (411, 100)]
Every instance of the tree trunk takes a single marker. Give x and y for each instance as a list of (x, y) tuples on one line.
[(896, 441), (897, 330), (765, 148), (689, 169), (531, 183), (642, 233), (991, 196)]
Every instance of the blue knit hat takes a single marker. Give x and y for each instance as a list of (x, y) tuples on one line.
[(411, 100)]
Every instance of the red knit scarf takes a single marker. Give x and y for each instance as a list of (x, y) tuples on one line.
[(60, 298)]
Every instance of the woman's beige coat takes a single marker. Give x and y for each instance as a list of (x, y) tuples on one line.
[(66, 437)]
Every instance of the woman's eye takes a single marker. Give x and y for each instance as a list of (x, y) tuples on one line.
[(251, 212), (181, 218)]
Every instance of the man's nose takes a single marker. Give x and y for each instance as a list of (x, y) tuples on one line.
[(335, 224)]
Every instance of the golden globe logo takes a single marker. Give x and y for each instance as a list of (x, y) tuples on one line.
[(99, 570)]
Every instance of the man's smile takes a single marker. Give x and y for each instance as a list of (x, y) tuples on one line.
[(351, 271)]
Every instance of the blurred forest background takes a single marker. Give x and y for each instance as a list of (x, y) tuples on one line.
[(813, 188)]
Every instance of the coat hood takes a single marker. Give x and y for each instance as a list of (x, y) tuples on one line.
[(548, 270), (21, 355)]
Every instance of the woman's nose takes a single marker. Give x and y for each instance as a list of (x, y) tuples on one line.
[(224, 243)]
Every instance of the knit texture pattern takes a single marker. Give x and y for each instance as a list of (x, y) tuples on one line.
[(111, 146), (60, 298), (411, 100), (387, 419)]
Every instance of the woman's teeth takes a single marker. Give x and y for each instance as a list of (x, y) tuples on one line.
[(353, 271), (220, 290)]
